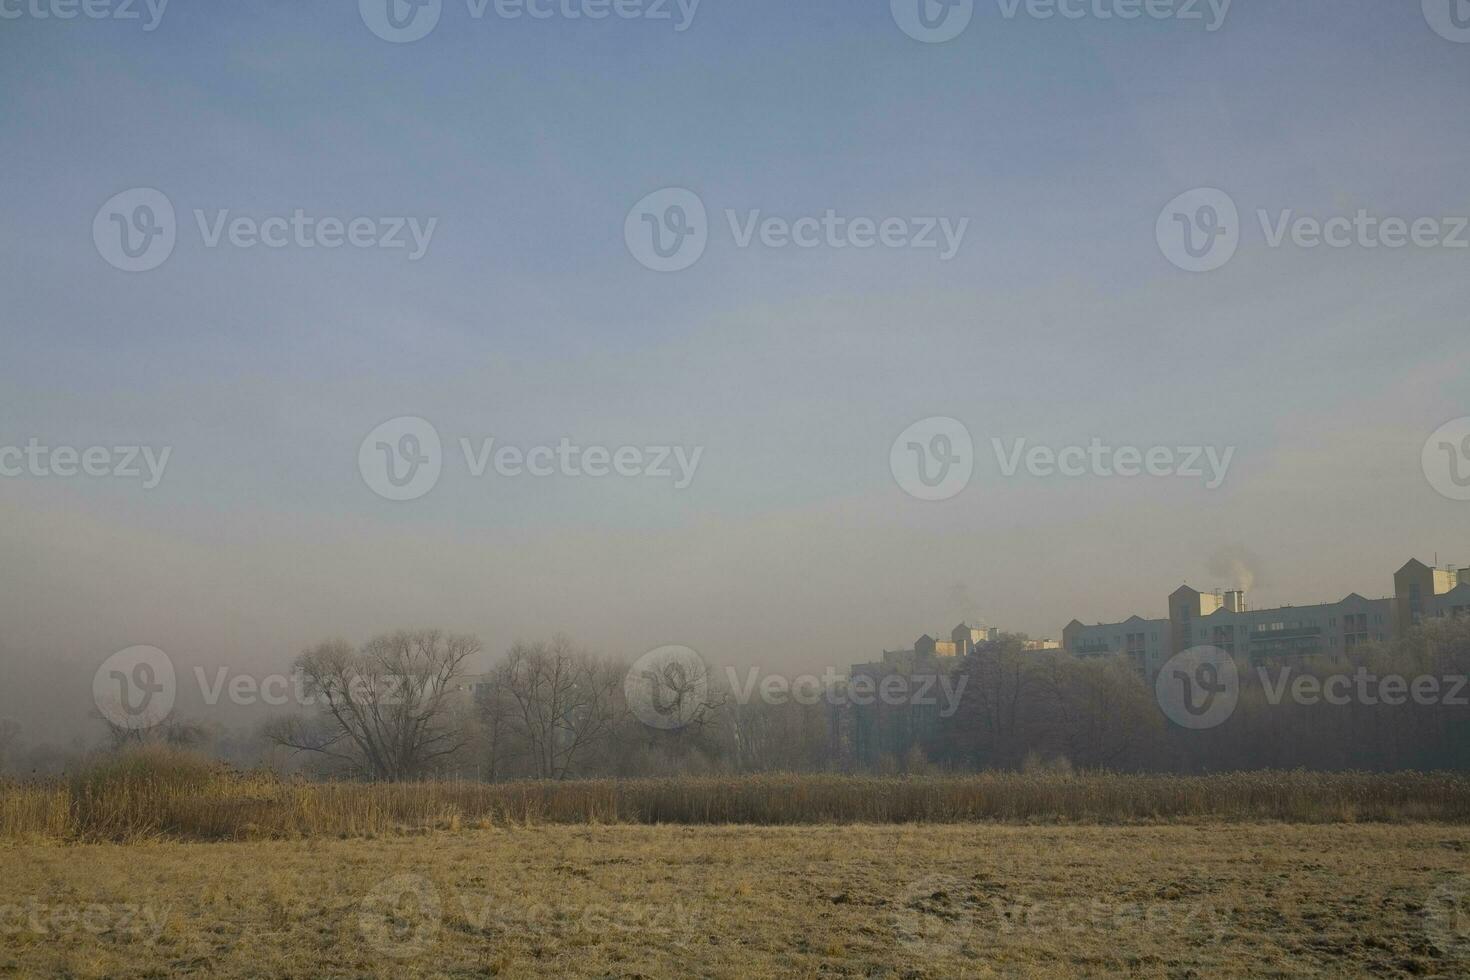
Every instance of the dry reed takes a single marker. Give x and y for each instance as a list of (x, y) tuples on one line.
[(163, 795)]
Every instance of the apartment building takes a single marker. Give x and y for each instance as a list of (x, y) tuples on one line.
[(1421, 592), (891, 729), (1254, 635), (1144, 642), (962, 640), (1223, 619)]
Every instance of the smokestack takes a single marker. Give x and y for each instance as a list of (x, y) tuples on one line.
[(1235, 601)]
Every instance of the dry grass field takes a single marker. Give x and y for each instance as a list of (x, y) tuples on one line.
[(1204, 900), (158, 864)]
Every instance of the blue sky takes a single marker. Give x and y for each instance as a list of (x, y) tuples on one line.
[(529, 320)]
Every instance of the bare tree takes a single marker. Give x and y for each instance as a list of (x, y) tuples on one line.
[(1095, 712), (557, 700), (787, 737), (994, 721), (672, 691), (178, 734), (673, 719), (493, 732), (385, 709)]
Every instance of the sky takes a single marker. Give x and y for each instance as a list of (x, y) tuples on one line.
[(532, 316)]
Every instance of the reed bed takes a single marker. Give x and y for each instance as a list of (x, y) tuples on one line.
[(162, 798)]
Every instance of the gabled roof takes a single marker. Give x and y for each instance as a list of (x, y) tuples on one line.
[(1127, 622), (1461, 591)]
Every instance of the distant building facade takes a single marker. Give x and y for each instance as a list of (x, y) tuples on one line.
[(1421, 593), (882, 729), (963, 640), (1286, 632), (891, 730), (1223, 619), (1142, 641)]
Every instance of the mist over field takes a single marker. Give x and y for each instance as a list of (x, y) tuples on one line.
[(526, 320), (553, 463)]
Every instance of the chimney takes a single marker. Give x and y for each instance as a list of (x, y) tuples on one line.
[(1235, 601)]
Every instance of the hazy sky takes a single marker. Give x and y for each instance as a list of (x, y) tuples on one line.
[(528, 319)]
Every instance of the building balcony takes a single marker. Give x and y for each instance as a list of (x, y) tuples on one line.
[(1270, 636)]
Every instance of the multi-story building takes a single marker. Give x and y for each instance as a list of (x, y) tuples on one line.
[(1253, 635), (882, 728), (1222, 619), (963, 639), (891, 729), (1145, 642), (1421, 592)]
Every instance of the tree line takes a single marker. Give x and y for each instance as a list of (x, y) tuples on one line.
[(405, 706)]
